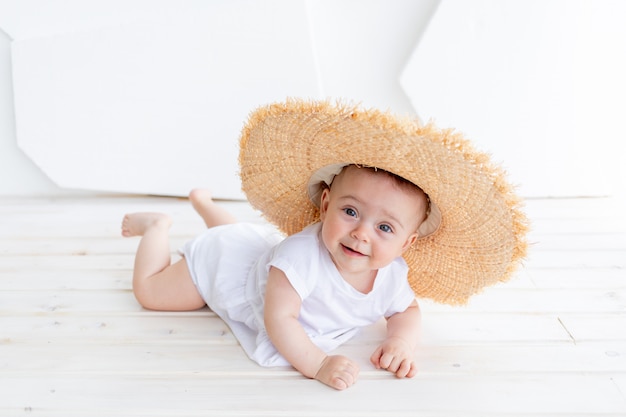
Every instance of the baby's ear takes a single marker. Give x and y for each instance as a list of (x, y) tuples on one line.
[(410, 241), (324, 201)]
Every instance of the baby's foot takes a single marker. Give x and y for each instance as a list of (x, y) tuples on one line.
[(200, 199), (212, 214), (136, 224)]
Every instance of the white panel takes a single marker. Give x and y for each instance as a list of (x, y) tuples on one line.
[(23, 19), (363, 45), (156, 106), (539, 84)]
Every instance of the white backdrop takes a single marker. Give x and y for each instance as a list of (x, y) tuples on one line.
[(540, 84), (149, 96)]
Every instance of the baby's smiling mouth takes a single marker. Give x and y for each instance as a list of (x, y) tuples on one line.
[(351, 251)]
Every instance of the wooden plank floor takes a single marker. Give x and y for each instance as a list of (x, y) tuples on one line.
[(73, 341)]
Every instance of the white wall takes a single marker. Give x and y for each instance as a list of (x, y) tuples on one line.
[(357, 49), (149, 96), (18, 174), (538, 83)]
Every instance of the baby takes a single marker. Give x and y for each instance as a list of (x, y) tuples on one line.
[(435, 219), (293, 300)]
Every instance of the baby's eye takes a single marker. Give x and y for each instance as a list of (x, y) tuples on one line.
[(350, 212), (385, 228)]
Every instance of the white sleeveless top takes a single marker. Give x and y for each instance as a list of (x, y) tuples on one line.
[(332, 310)]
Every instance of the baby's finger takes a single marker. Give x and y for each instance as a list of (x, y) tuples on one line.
[(347, 377), (395, 364), (404, 369), (413, 370), (375, 358), (343, 381), (339, 384), (386, 362)]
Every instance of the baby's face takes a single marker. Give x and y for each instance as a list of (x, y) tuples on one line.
[(368, 220)]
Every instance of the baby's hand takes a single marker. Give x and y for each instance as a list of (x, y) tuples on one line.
[(338, 372), (395, 355)]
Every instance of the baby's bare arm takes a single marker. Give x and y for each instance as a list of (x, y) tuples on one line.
[(282, 308), (397, 351)]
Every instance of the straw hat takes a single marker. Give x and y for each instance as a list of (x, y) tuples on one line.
[(475, 233)]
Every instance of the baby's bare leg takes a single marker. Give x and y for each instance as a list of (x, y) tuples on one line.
[(157, 284), (211, 213)]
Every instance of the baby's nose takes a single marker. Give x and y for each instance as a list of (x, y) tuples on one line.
[(360, 233)]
